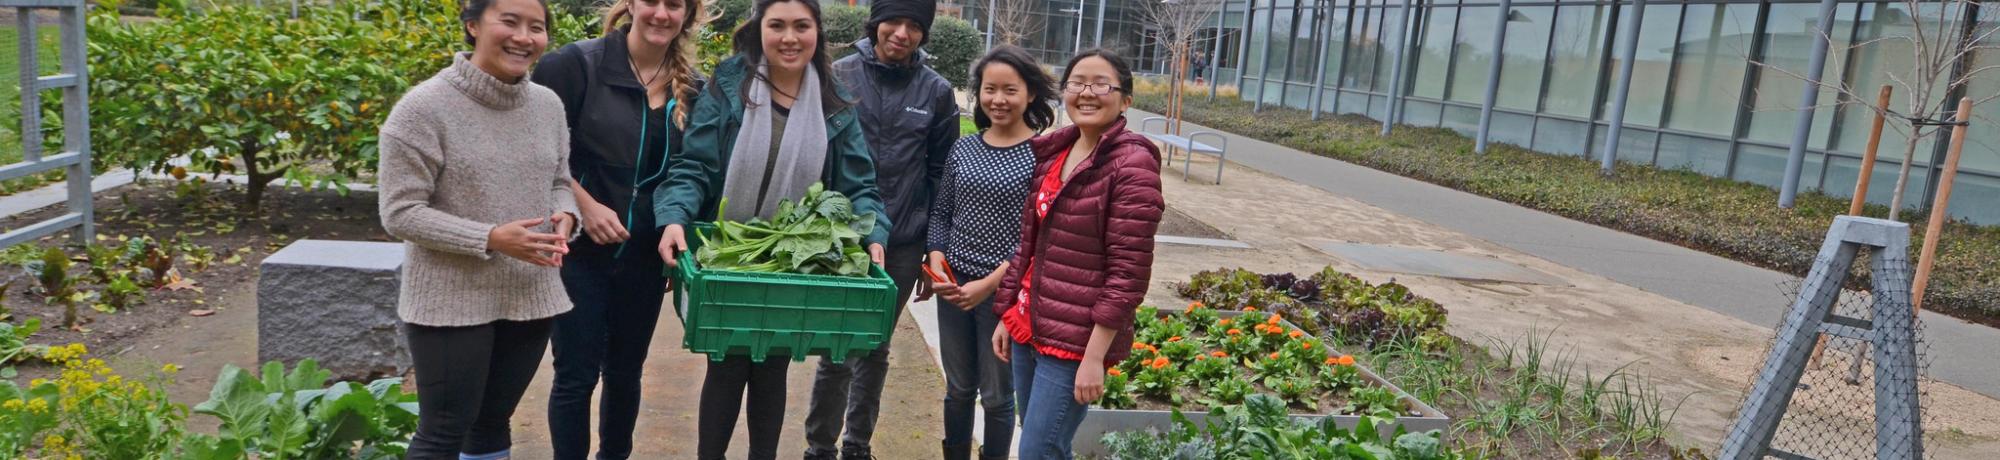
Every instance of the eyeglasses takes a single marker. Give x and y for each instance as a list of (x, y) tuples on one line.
[(1100, 89)]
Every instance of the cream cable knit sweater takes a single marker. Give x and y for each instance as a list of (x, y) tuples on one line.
[(461, 153)]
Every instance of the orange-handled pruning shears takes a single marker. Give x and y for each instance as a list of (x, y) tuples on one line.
[(950, 276)]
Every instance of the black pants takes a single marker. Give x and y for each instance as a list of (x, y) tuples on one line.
[(848, 394), (468, 381), (722, 395), (605, 338)]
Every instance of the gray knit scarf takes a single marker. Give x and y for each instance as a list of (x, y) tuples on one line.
[(801, 153)]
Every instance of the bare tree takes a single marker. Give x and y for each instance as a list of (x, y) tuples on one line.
[(1014, 21), (1177, 23), (1938, 37)]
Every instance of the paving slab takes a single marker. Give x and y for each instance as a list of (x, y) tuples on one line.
[(1440, 264)]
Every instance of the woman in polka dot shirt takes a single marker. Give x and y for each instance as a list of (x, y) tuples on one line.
[(975, 226)]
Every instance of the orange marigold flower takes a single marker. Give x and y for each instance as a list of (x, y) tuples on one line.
[(1297, 333), (1138, 345), (1273, 320), (1224, 322), (1274, 330), (1249, 308), (1307, 345), (1332, 360), (1218, 354), (1195, 304), (1160, 362), (1234, 331), (1115, 372), (1274, 355), (1173, 339), (1346, 360)]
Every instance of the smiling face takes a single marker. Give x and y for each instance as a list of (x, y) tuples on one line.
[(508, 38), (790, 36), (897, 39), (1088, 108), (1002, 94), (659, 22)]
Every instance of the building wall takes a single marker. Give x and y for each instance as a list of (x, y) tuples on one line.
[(1713, 90)]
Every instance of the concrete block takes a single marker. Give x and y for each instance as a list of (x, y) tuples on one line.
[(334, 302)]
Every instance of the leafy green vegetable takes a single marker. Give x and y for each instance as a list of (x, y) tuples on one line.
[(818, 235), (1260, 429)]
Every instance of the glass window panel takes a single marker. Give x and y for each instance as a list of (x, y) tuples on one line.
[(1473, 57), (1420, 113), (1272, 90), (1306, 45), (1761, 165), (1465, 120), (1522, 60), (1392, 27), (1362, 50), (1434, 55), (1281, 44), (1378, 107), (1326, 102), (1511, 128), (1634, 145), (1298, 96), (1260, 22), (1982, 146), (1651, 61), (1788, 44), (1977, 198), (1714, 51), (1560, 136), (1883, 62), (1353, 102), (1337, 43), (1577, 49), (1706, 156)]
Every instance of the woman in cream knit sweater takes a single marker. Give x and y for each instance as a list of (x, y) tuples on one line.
[(474, 178)]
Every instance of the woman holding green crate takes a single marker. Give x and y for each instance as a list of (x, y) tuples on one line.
[(769, 125)]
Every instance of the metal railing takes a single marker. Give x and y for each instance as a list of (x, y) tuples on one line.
[(72, 79)]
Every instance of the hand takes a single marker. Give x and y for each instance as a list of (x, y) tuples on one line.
[(673, 240), (514, 239), (971, 294), (1089, 381), (875, 253), (601, 223), (945, 291), (924, 289), (565, 225), (1001, 345)]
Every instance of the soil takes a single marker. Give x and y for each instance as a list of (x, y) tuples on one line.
[(210, 218), (1177, 223)]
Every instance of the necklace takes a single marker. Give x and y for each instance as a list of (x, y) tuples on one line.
[(646, 82)]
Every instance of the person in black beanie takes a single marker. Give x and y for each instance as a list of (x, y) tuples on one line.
[(910, 116)]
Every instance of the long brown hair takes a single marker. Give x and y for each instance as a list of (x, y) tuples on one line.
[(680, 54)]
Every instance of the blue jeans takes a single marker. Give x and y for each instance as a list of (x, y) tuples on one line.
[(973, 374), (1046, 386)]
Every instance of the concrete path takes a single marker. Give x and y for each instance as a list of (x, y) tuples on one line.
[(1722, 285)]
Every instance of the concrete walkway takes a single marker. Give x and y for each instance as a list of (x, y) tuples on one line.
[(1732, 288)]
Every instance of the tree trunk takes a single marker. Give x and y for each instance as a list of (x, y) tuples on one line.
[(258, 179), (1903, 174)]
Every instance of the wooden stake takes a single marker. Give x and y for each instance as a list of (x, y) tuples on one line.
[(1940, 208), (1868, 157)]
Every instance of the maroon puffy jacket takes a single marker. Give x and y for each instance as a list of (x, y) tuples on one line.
[(1093, 254)]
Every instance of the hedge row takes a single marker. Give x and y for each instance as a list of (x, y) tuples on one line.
[(1720, 216)]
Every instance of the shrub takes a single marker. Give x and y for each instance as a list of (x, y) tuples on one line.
[(244, 87)]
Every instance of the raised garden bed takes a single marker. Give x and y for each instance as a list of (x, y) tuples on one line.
[(1200, 358)]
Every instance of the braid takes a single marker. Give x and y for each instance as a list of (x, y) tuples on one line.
[(681, 58)]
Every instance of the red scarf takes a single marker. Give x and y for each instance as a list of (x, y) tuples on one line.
[(1017, 319)]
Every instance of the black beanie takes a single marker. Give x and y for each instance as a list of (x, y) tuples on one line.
[(921, 11)]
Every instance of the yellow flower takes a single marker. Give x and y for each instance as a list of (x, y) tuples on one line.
[(38, 405), (170, 368), (12, 405)]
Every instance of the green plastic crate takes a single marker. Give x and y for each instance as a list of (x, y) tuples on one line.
[(760, 315)]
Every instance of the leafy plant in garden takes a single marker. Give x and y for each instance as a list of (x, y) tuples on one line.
[(89, 411), (1225, 364), (57, 286), (1228, 390), (1261, 429), (1117, 390), (296, 415), (820, 234), (1160, 378), (14, 346), (1375, 401)]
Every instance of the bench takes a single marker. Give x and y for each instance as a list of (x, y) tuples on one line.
[(333, 302), (1190, 144)]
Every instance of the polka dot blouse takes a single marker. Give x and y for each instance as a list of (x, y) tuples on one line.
[(976, 218)]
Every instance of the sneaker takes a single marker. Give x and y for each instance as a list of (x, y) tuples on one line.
[(852, 453)]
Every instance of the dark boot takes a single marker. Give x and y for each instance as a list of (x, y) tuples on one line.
[(958, 452), (993, 457)]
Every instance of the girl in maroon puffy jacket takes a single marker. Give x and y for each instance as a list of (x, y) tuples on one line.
[(1085, 259)]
